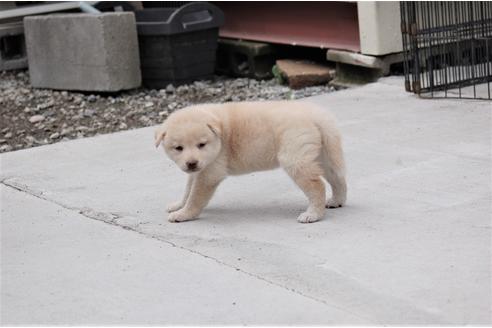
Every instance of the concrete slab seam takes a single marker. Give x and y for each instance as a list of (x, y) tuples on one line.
[(112, 218)]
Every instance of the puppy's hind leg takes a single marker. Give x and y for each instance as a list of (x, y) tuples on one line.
[(308, 178), (306, 173), (180, 204), (334, 172), (336, 179)]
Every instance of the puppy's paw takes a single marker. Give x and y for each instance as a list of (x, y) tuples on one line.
[(180, 216), (334, 203), (173, 207), (308, 217)]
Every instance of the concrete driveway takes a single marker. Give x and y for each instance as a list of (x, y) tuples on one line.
[(85, 240)]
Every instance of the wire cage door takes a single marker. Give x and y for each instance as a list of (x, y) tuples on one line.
[(447, 48)]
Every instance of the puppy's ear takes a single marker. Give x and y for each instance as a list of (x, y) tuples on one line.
[(215, 126), (159, 135), (215, 129)]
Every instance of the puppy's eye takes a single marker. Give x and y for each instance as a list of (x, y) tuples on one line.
[(201, 145), (179, 148)]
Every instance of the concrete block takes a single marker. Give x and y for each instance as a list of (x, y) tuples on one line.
[(88, 52), (349, 76), (245, 58), (12, 47), (301, 74)]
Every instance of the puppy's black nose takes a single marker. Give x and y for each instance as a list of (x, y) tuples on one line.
[(191, 165)]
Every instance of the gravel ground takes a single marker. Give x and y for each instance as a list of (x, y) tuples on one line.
[(32, 117)]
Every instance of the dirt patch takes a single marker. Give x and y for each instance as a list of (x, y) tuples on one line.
[(32, 117)]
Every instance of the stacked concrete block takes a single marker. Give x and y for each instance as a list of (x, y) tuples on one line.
[(88, 52), (12, 46), (245, 58)]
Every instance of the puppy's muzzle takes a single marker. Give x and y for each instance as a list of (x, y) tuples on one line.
[(192, 166)]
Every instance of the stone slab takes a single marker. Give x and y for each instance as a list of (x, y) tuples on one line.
[(61, 268)]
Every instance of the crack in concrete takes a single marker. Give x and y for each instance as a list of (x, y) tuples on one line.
[(258, 277), (112, 218)]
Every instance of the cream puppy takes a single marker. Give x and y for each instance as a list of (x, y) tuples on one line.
[(213, 141)]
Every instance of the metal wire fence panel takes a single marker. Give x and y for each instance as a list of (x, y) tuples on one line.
[(448, 48)]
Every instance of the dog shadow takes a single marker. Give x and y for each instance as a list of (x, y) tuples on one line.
[(270, 211)]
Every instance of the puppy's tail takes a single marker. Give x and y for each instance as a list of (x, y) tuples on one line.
[(332, 141), (332, 157)]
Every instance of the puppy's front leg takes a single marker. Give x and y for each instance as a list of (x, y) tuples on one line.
[(202, 189), (179, 205)]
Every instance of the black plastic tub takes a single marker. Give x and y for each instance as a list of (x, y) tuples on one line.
[(178, 45)]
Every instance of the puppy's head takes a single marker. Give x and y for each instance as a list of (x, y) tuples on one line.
[(191, 138)]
